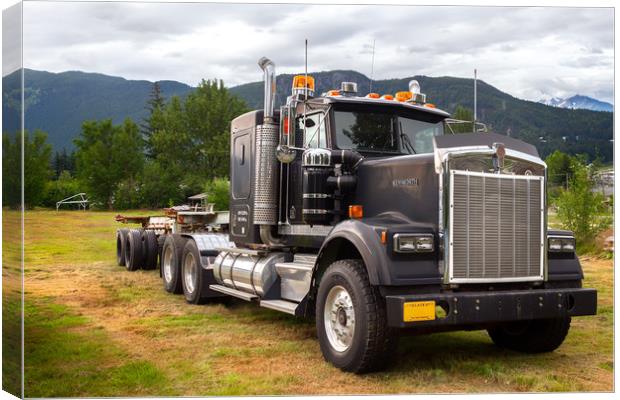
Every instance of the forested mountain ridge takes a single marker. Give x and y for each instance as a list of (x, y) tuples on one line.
[(58, 103)]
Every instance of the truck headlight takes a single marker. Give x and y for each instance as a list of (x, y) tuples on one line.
[(413, 243), (561, 244)]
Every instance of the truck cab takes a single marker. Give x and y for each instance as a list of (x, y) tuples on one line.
[(365, 212)]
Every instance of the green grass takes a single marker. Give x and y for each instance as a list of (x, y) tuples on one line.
[(95, 329), (63, 360)]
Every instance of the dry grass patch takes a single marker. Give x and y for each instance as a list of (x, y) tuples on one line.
[(242, 349)]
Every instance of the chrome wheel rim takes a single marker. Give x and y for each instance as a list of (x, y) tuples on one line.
[(168, 264), (339, 318), (189, 272)]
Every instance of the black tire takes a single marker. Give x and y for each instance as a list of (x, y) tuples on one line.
[(160, 247), (172, 255), (149, 244), (134, 254), (121, 238), (372, 343), (193, 276), (535, 336)]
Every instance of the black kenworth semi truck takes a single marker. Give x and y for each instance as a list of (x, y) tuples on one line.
[(367, 214)]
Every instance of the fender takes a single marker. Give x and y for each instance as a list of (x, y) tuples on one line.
[(208, 245), (366, 240), (384, 267)]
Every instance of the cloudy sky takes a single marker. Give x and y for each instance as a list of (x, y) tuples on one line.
[(527, 52)]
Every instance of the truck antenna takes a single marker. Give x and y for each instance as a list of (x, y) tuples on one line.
[(372, 65), (305, 86)]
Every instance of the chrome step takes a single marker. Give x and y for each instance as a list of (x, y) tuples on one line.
[(233, 292), (280, 305), (305, 258), (294, 279)]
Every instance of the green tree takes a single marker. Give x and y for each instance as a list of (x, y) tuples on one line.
[(160, 186), (37, 156), (154, 106), (209, 110), (558, 168), (579, 208), (106, 155), (463, 114)]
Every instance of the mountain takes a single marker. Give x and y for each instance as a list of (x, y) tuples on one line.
[(58, 103), (579, 102)]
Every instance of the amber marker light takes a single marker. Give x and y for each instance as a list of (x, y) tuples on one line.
[(373, 95), (285, 127), (333, 92), (356, 211), (300, 82), (384, 237), (429, 105), (403, 96), (387, 97)]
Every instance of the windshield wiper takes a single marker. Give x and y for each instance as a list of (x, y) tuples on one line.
[(406, 141)]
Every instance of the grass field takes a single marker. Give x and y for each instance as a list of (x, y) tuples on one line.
[(94, 329)]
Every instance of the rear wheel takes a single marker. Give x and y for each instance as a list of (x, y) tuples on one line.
[(149, 244), (134, 255), (535, 336), (193, 274), (351, 319), (171, 257), (121, 239)]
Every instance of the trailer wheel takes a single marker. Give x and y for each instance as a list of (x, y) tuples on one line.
[(160, 247), (535, 336), (351, 319), (193, 275), (171, 258), (134, 254), (150, 246), (121, 238)]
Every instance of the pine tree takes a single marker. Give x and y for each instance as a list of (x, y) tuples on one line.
[(154, 106)]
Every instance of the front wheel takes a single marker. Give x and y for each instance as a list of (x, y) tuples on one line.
[(535, 336), (351, 319)]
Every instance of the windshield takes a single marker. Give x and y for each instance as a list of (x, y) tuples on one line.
[(368, 131)]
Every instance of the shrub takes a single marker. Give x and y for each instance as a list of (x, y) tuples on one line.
[(218, 191), (580, 209), (63, 187)]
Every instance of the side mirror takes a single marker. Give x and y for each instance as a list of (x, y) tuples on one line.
[(285, 154)]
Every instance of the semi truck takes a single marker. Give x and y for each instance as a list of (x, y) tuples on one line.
[(367, 214)]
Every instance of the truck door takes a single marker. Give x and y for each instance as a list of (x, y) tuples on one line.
[(313, 136)]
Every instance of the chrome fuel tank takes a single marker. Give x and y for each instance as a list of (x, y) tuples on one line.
[(250, 273)]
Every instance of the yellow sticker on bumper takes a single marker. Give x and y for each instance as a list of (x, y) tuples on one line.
[(419, 311)]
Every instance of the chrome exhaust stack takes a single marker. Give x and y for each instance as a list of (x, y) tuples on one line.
[(266, 166), (269, 68)]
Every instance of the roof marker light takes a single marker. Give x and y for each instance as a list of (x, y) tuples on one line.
[(403, 96), (373, 95)]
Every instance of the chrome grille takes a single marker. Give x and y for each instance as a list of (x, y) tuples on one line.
[(496, 227)]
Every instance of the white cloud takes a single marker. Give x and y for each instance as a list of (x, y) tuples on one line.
[(527, 52)]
